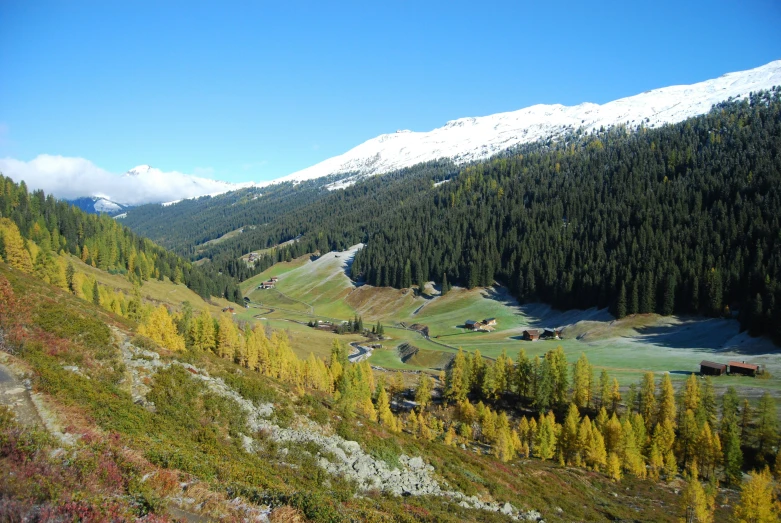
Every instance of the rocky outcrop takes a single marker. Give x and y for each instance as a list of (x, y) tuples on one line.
[(337, 456)]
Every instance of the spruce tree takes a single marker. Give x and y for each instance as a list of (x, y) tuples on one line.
[(621, 303)]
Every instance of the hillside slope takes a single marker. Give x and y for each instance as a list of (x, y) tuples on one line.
[(130, 429), (477, 138)]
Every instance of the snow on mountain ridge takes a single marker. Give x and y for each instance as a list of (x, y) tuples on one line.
[(104, 205), (184, 186), (476, 138)]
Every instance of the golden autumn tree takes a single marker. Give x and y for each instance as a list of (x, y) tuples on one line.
[(757, 502), (696, 504), (160, 327), (16, 255), (667, 409), (582, 379)]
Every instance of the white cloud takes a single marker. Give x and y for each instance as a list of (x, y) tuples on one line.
[(67, 177)]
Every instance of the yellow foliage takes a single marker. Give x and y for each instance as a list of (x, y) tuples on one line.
[(160, 327)]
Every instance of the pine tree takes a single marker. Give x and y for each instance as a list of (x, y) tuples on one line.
[(766, 431), (581, 382), (655, 462), (613, 467), (545, 444), (450, 436), (457, 384), (423, 391), (612, 431), (697, 506), (670, 466), (69, 273), (568, 443), (615, 396), (604, 389), (757, 503), (96, 294), (691, 394), (634, 300), (630, 451), (746, 418), (523, 375), (688, 432), (596, 455), (160, 327), (648, 399), (732, 453), (384, 415), (667, 410), (707, 409), (621, 305), (15, 253)]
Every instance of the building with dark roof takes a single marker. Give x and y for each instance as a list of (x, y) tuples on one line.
[(711, 368), (531, 334)]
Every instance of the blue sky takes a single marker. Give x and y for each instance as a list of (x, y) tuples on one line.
[(254, 91)]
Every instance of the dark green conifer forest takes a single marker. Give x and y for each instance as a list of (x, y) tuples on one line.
[(681, 219)]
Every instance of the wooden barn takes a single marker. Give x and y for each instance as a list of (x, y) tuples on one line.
[(550, 334), (472, 324), (531, 335), (489, 322), (741, 367), (710, 368)]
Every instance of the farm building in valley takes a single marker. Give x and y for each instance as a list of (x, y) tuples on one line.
[(710, 368), (741, 367), (531, 334), (485, 325)]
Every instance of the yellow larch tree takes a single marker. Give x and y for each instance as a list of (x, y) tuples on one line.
[(757, 502)]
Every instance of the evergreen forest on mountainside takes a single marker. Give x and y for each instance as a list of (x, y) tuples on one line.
[(34, 228), (681, 219)]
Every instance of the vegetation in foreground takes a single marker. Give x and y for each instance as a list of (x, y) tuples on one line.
[(193, 437)]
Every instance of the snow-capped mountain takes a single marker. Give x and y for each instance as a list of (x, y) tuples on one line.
[(476, 138), (98, 205), (145, 184), (181, 186)]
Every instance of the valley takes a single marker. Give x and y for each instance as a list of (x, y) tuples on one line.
[(560, 313), (312, 288)]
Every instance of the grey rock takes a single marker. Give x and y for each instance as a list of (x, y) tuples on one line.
[(416, 463)]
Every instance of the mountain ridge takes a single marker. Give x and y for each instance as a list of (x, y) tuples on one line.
[(477, 138)]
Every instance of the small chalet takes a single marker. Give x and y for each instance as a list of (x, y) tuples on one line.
[(229, 309), (741, 367), (472, 324), (273, 279), (489, 322), (266, 285), (531, 335), (710, 368), (324, 325), (550, 334)]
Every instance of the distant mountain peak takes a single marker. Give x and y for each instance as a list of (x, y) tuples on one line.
[(139, 170), (476, 138)]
